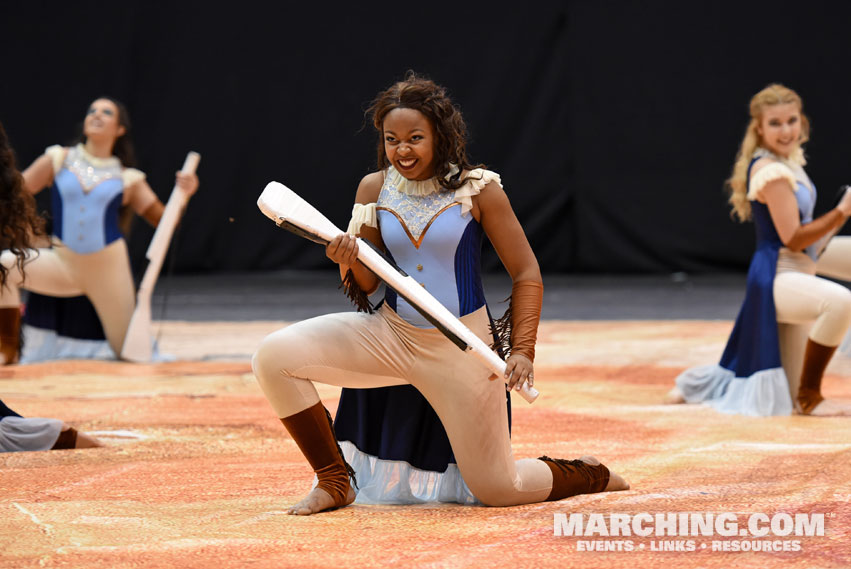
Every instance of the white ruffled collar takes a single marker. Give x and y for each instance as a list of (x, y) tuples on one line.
[(95, 160), (794, 159), (417, 187)]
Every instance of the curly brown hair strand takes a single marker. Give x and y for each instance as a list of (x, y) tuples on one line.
[(19, 221)]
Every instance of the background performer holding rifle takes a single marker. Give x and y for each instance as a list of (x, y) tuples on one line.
[(89, 183)]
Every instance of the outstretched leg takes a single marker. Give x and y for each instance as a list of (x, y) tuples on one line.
[(472, 408)]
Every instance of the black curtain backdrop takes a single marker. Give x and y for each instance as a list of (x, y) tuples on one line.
[(613, 124)]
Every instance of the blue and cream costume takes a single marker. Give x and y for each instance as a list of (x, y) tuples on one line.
[(89, 258), (750, 378), (86, 195), (421, 226), (391, 436)]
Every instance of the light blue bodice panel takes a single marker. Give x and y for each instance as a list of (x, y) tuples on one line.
[(806, 199), (430, 240), (86, 199)]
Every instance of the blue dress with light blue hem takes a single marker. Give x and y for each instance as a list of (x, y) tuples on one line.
[(750, 380), (391, 436)]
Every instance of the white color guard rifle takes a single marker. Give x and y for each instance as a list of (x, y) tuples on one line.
[(137, 343), (291, 212)]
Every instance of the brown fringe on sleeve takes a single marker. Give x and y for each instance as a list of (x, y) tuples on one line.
[(501, 331), (355, 293)]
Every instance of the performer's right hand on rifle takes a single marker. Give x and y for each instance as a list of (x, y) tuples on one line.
[(343, 250)]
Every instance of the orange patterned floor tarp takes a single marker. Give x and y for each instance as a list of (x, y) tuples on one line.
[(198, 472)]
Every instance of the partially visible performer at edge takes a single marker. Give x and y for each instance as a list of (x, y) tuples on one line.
[(426, 206), (20, 226), (770, 365), (19, 434), (89, 183)]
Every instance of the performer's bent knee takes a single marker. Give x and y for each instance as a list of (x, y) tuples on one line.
[(498, 501), (496, 494), (274, 357), (286, 393), (831, 326), (843, 308), (266, 364)]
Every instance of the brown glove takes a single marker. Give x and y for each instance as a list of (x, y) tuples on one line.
[(526, 298)]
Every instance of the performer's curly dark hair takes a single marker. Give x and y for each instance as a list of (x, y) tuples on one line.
[(425, 96), (123, 148), (19, 221)]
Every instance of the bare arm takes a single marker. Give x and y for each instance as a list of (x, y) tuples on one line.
[(153, 211), (494, 212), (783, 208), (343, 249), (39, 174)]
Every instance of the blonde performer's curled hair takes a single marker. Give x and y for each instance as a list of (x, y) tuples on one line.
[(774, 94)]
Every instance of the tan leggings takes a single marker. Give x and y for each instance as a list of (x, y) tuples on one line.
[(803, 298), (812, 307), (362, 350), (104, 277)]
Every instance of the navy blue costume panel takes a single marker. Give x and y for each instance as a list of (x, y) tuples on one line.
[(754, 344), (468, 256), (394, 423), (74, 317), (5, 411)]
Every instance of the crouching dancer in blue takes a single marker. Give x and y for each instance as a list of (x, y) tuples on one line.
[(772, 365), (427, 207)]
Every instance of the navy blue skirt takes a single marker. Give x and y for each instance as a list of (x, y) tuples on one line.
[(396, 423)]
